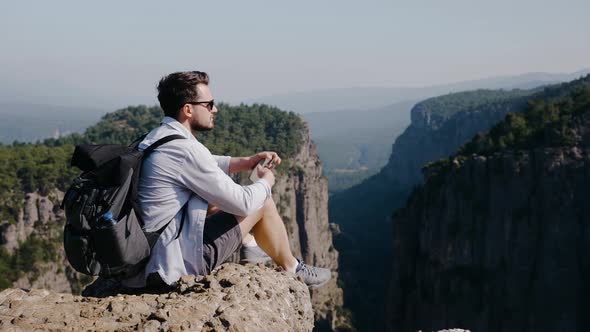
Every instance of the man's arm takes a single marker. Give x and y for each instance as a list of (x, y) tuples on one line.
[(201, 174), (240, 164), (223, 163)]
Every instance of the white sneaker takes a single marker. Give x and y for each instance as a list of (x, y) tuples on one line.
[(313, 276)]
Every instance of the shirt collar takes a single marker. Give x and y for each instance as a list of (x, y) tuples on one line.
[(168, 126), (172, 122)]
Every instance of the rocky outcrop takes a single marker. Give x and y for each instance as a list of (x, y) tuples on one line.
[(364, 211), (232, 298), (37, 208), (42, 217), (51, 276), (432, 136), (498, 243), (302, 200)]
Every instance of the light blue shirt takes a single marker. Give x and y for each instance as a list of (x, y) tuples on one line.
[(179, 171)]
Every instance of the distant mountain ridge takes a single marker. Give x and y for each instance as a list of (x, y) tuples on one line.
[(434, 112), (364, 98)]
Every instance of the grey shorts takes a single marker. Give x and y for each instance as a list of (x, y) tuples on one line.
[(221, 238)]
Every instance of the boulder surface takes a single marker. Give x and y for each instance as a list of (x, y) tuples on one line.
[(233, 297)]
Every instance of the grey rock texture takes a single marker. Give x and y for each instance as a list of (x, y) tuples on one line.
[(9, 237), (232, 298), (52, 277), (41, 216), (302, 200), (498, 243), (37, 208)]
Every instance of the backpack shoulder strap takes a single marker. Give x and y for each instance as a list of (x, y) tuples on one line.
[(138, 140), (152, 237), (159, 142)]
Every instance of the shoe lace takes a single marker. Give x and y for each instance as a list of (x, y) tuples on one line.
[(308, 270)]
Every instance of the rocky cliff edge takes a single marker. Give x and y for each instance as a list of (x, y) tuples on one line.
[(232, 298)]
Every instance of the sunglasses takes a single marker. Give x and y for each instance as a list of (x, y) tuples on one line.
[(209, 104)]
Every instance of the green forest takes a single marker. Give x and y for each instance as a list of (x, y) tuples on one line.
[(44, 166), (444, 107), (545, 122)]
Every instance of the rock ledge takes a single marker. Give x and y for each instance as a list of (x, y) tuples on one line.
[(233, 297)]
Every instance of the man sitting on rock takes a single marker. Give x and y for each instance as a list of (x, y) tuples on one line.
[(220, 214)]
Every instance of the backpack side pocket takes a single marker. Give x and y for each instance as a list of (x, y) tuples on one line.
[(122, 247)]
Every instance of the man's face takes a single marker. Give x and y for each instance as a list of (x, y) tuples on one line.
[(202, 119)]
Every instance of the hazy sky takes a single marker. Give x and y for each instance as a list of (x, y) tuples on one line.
[(112, 53)]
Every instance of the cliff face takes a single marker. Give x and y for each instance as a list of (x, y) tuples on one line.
[(302, 200), (42, 218), (364, 211), (498, 243), (37, 208), (432, 136), (232, 298)]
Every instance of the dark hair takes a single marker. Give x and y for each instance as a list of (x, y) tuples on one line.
[(178, 88)]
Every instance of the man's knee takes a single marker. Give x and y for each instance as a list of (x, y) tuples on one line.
[(270, 206), (269, 202)]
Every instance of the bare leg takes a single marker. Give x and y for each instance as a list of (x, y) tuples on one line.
[(267, 227), (212, 209)]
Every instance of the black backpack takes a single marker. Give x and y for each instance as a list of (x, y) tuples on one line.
[(103, 232)]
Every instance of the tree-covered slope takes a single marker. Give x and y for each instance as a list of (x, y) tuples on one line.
[(497, 237), (436, 111), (239, 130), (546, 122), (439, 127), (26, 168)]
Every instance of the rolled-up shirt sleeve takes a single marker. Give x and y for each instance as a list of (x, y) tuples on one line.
[(202, 173)]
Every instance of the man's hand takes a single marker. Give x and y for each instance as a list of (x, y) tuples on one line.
[(272, 156), (240, 164), (266, 174)]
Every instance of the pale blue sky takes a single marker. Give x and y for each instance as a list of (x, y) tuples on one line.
[(111, 53)]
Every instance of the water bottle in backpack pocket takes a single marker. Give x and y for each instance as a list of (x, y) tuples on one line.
[(120, 244)]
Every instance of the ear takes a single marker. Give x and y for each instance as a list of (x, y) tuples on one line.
[(185, 112)]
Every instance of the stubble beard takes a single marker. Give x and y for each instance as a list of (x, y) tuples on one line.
[(195, 126)]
